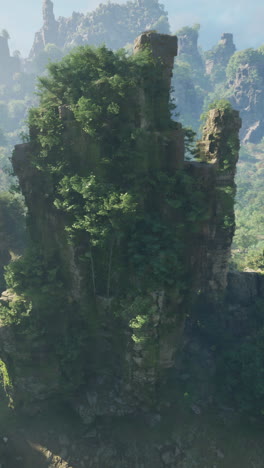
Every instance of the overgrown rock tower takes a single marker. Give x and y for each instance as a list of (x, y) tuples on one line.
[(110, 345), (8, 65), (220, 55), (50, 26), (49, 31)]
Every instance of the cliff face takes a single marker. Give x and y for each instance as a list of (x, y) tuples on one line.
[(189, 78), (220, 138), (107, 318), (49, 31), (248, 96), (188, 43), (188, 48), (8, 65), (219, 56), (112, 24)]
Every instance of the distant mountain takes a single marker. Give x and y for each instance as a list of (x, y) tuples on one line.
[(112, 24)]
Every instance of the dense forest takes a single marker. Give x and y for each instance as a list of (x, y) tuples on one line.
[(132, 245), (199, 79)]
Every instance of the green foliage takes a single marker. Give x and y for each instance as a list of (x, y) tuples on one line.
[(187, 93), (36, 286), (191, 31), (5, 380), (128, 218), (51, 53), (17, 109), (221, 104), (248, 242), (12, 221), (241, 366), (131, 218), (253, 58), (228, 143)]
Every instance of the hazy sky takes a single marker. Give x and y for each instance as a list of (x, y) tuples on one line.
[(242, 17)]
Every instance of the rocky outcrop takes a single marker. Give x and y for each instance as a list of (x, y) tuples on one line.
[(248, 97), (8, 65), (111, 24), (124, 358), (49, 31), (50, 25), (220, 139), (162, 47), (188, 80), (219, 56), (188, 46), (188, 41), (220, 148)]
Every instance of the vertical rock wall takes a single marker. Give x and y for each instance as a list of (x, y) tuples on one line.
[(218, 151), (221, 54), (147, 344), (8, 65)]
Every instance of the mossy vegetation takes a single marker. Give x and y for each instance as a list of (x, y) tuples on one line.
[(102, 167)]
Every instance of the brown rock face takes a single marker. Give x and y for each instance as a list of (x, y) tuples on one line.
[(219, 148), (163, 46), (220, 141)]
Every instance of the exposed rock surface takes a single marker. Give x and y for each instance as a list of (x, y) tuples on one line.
[(188, 41), (111, 24), (163, 47), (220, 55), (50, 25), (220, 138), (188, 79), (8, 65), (127, 374), (248, 98), (188, 46)]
